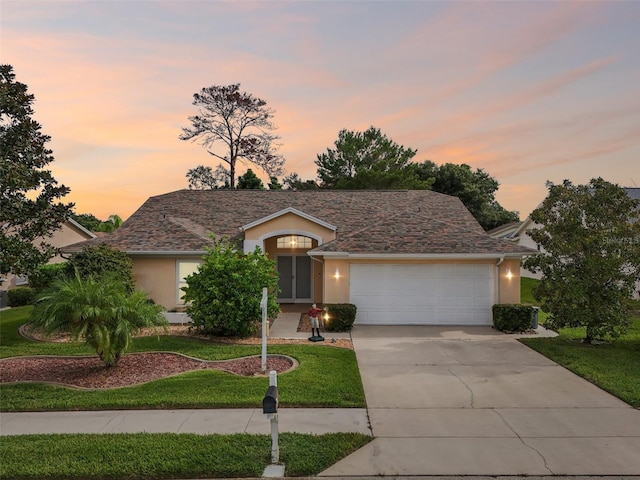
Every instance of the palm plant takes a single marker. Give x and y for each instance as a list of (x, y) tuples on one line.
[(100, 311)]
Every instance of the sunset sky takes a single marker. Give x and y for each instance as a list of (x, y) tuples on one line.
[(528, 91)]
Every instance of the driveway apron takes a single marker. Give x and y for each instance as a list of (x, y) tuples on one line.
[(472, 401)]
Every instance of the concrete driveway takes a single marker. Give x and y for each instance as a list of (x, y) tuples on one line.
[(472, 401)]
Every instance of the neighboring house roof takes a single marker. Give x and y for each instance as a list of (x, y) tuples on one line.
[(507, 230), (366, 221), (81, 229), (633, 192)]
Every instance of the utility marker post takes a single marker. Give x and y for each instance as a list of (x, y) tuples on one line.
[(263, 305)]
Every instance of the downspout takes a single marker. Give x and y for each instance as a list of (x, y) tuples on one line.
[(323, 273), (497, 280)]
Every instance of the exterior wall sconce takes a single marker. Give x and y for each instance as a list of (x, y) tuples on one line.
[(509, 275), (336, 275)]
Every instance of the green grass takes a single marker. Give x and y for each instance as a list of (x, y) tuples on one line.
[(613, 366), (158, 456), (326, 377)]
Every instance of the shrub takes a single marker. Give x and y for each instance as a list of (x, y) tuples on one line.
[(19, 296), (100, 310), (512, 317), (43, 276), (223, 297), (341, 317), (99, 260)]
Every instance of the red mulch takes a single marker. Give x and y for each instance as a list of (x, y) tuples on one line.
[(132, 369)]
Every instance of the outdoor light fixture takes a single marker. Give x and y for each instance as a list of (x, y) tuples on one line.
[(337, 274), (509, 275)]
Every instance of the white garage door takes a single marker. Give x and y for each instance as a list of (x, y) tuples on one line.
[(422, 294)]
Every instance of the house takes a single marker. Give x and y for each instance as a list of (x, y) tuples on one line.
[(403, 257), (70, 232), (522, 238)]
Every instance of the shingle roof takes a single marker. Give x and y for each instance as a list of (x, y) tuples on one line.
[(368, 221)]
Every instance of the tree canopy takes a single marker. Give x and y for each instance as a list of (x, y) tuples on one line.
[(590, 235), (367, 160), (94, 224), (240, 123), (30, 209), (250, 181), (476, 189)]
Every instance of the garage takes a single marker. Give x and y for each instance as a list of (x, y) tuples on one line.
[(425, 294)]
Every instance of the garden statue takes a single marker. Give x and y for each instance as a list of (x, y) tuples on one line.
[(314, 314)]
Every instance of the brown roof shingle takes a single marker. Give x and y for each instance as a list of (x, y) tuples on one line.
[(368, 221)]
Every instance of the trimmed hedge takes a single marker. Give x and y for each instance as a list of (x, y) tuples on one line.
[(43, 276), (509, 317), (20, 296), (341, 317)]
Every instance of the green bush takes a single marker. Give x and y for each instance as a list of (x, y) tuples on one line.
[(43, 276), (223, 297), (341, 317), (102, 260), (512, 317), (20, 296)]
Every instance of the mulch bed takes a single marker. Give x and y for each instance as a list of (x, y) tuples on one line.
[(132, 369), (137, 368)]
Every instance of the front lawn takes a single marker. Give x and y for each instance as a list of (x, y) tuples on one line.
[(613, 366), (158, 456), (326, 377)]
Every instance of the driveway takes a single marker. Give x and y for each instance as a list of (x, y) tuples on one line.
[(472, 401)]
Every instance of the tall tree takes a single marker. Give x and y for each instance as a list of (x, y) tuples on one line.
[(367, 160), (238, 121), (591, 261), (250, 181), (30, 209), (476, 189)]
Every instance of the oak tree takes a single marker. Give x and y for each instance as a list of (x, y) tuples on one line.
[(30, 210), (590, 238)]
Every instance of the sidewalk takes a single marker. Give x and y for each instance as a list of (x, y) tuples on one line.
[(201, 421)]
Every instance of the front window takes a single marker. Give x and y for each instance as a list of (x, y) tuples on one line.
[(294, 241), (184, 269)]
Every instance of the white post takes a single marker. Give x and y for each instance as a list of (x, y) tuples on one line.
[(275, 447), (263, 305)]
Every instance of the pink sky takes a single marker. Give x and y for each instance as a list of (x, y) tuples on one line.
[(528, 91)]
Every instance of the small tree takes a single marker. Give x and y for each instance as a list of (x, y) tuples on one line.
[(30, 209), (591, 261), (223, 297), (250, 181), (98, 310), (98, 260), (241, 123)]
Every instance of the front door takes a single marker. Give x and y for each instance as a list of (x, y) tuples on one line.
[(295, 278)]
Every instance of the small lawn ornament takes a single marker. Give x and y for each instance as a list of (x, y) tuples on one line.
[(314, 314)]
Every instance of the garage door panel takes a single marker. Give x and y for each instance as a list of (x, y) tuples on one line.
[(438, 294)]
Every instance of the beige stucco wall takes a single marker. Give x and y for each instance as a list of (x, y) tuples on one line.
[(291, 223), (509, 281), (336, 281), (158, 277)]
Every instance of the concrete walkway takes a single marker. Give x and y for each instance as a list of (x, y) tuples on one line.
[(473, 401), (200, 421)]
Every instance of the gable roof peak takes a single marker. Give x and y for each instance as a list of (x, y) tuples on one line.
[(286, 211)]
